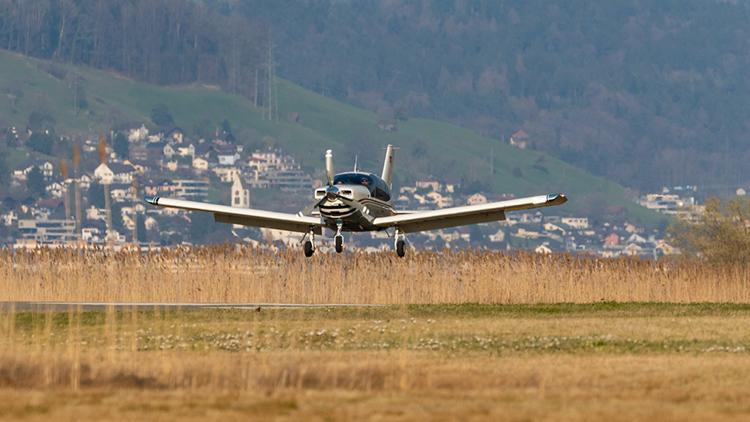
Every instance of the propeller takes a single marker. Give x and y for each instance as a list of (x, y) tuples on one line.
[(329, 167), (332, 192), (308, 210)]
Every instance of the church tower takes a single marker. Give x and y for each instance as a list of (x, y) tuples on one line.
[(240, 195)]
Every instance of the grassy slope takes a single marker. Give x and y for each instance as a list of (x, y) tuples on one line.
[(325, 123)]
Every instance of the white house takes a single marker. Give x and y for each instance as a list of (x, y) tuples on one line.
[(138, 135), (168, 151), (21, 175), (270, 160), (93, 213), (227, 174), (47, 168), (543, 249), (200, 163), (55, 189), (439, 200), (91, 234), (433, 185), (527, 234), (551, 228), (122, 173), (519, 139), (84, 181), (636, 238), (632, 249), (104, 174), (579, 223), (188, 151), (9, 218), (476, 199), (176, 136), (498, 236), (228, 159), (150, 223), (120, 195)]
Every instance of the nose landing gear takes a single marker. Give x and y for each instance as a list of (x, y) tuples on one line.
[(309, 246), (339, 239)]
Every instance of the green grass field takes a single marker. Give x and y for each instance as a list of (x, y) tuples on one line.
[(519, 362), (449, 151)]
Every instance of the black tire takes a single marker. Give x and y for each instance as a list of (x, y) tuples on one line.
[(339, 244), (400, 248), (309, 249)]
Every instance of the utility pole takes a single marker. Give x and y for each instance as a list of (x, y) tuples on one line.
[(272, 98), (135, 212), (66, 193), (77, 187), (492, 161), (255, 97), (105, 185)]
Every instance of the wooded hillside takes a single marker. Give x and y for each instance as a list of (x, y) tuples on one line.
[(158, 41), (645, 93)]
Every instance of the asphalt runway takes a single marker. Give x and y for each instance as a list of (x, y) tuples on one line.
[(92, 306)]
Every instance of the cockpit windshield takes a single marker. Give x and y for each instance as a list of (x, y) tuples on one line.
[(377, 186), (354, 179)]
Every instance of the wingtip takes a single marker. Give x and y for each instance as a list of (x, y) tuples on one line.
[(557, 198), (153, 200)]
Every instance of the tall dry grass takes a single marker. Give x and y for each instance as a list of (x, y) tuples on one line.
[(234, 274)]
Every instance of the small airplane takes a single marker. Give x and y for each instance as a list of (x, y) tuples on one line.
[(357, 202)]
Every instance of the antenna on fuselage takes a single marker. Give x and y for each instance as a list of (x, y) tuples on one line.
[(356, 167)]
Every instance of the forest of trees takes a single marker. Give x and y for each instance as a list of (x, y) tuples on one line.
[(647, 93), (158, 41)]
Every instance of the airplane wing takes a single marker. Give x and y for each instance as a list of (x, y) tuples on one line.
[(470, 214), (245, 216)]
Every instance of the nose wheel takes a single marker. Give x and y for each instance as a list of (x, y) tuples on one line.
[(309, 250), (339, 239), (309, 246)]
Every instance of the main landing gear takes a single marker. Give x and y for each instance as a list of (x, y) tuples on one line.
[(309, 246), (339, 239), (400, 244)]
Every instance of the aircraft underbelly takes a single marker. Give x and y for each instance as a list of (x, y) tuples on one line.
[(354, 219)]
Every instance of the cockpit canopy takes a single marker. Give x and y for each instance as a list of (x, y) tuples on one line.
[(378, 188)]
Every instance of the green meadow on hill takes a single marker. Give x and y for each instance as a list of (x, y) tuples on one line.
[(427, 147)]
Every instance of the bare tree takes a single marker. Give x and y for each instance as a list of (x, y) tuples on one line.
[(722, 234)]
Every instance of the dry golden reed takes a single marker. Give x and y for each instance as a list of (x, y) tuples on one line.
[(236, 274)]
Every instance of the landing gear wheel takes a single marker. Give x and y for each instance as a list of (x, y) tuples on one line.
[(309, 249), (400, 250), (339, 243)]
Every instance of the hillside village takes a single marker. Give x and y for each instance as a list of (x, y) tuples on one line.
[(106, 198)]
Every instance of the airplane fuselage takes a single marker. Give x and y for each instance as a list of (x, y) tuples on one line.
[(353, 201)]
